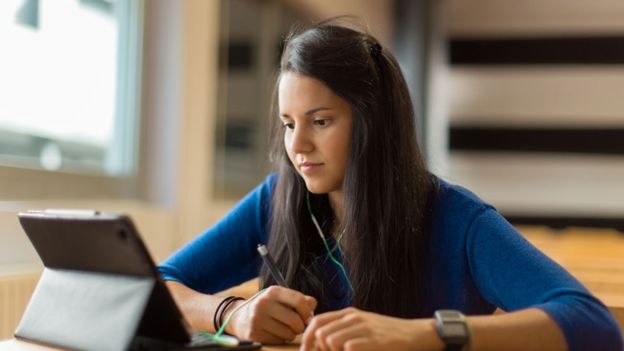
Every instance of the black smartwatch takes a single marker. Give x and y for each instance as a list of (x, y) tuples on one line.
[(452, 329)]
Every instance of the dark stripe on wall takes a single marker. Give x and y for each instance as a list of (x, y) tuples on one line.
[(565, 222), (581, 141), (525, 51)]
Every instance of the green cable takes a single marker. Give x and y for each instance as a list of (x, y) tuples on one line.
[(331, 257), (329, 251)]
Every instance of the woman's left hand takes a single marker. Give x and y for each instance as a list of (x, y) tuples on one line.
[(352, 329)]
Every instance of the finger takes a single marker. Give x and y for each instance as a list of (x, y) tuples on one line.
[(292, 298), (288, 317), (358, 344), (312, 303), (308, 339), (278, 329), (327, 317), (332, 335), (340, 335)]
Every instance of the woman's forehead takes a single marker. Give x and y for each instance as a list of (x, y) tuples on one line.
[(297, 91)]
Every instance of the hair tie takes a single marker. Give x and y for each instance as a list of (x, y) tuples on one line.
[(221, 308), (375, 50)]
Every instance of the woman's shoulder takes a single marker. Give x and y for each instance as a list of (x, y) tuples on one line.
[(448, 190)]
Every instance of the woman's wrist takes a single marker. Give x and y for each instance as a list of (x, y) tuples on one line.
[(230, 327), (425, 336)]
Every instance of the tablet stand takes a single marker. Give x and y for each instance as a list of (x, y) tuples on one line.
[(86, 310)]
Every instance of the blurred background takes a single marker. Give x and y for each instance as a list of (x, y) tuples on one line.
[(160, 109)]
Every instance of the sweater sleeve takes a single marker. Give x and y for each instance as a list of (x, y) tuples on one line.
[(225, 254), (512, 274)]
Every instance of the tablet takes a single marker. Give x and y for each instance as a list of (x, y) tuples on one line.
[(105, 246)]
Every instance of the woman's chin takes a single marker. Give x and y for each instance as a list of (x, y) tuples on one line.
[(318, 188), (316, 191), (315, 187)]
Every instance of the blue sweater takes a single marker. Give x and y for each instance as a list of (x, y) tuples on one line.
[(479, 262)]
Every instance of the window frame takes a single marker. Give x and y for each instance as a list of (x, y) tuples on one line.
[(23, 183)]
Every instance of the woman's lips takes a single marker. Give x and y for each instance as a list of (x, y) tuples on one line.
[(309, 167)]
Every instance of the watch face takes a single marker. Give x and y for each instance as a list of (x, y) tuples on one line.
[(450, 316), (455, 330)]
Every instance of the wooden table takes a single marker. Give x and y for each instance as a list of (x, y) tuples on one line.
[(19, 345)]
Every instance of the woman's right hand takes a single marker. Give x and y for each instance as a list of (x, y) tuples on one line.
[(275, 316)]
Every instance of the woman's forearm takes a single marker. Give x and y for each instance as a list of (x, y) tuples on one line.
[(197, 308), (530, 329)]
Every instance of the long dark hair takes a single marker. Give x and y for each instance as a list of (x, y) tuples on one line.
[(386, 185)]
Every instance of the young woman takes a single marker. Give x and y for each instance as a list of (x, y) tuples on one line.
[(370, 243)]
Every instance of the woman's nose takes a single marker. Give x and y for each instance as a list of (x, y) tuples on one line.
[(300, 141)]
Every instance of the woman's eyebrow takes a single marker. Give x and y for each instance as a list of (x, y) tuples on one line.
[(309, 112), (315, 110)]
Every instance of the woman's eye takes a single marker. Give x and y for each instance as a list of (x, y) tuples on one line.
[(288, 125), (320, 122)]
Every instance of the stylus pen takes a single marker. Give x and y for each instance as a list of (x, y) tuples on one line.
[(270, 263)]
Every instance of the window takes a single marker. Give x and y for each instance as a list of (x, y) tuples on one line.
[(70, 97)]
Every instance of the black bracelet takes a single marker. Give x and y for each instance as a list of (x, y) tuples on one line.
[(225, 308), (215, 317)]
